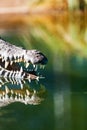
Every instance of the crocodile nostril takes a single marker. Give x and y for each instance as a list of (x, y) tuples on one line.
[(38, 56)]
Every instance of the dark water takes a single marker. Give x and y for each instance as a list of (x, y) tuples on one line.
[(60, 100)]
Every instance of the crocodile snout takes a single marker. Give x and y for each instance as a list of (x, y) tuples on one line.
[(36, 57)]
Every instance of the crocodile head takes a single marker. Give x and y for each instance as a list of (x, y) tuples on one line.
[(11, 56)]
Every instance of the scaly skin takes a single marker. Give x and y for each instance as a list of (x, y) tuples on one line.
[(10, 55)]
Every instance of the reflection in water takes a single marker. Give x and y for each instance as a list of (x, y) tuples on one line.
[(20, 91)]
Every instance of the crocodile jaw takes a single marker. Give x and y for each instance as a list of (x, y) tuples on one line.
[(10, 54)]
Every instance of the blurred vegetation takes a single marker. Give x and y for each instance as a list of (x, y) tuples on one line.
[(77, 4), (46, 5), (61, 35), (59, 4)]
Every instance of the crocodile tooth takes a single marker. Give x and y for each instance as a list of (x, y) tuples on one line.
[(21, 59), (6, 64), (23, 81), (16, 93), (12, 91), (1, 81), (34, 66), (37, 78), (20, 74), (27, 64), (6, 89), (29, 80), (15, 61), (27, 92), (21, 96), (35, 91), (43, 66), (1, 71), (15, 97), (11, 97), (21, 69), (3, 59), (10, 57), (6, 96), (16, 73), (21, 86), (11, 62), (3, 93), (14, 56), (18, 60), (10, 73)]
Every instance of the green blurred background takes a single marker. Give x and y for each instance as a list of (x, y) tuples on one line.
[(59, 29)]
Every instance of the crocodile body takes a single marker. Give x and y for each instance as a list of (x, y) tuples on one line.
[(10, 58)]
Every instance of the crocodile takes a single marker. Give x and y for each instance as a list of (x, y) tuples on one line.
[(12, 59)]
